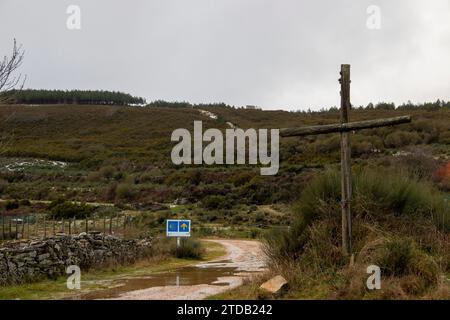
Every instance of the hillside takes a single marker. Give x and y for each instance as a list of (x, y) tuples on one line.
[(108, 145), (118, 158)]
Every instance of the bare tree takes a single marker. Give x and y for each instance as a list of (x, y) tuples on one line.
[(9, 79)]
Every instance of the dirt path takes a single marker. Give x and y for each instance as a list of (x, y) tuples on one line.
[(244, 257)]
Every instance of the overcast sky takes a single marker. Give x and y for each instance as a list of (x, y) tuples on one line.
[(283, 54)]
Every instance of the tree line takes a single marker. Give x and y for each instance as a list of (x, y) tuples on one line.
[(91, 97), (426, 106)]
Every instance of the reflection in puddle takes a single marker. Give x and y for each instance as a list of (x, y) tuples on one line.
[(192, 275)]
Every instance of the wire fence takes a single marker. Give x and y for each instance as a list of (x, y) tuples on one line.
[(38, 226)]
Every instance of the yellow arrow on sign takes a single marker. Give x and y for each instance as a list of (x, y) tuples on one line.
[(184, 226)]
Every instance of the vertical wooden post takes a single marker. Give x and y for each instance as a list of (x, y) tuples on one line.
[(93, 222), (10, 228), (70, 226), (104, 224), (74, 225), (45, 226), (87, 225), (28, 227), (110, 224), (346, 180), (23, 228), (3, 226), (62, 225), (36, 229), (17, 228), (54, 227)]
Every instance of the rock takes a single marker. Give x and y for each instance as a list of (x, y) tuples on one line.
[(43, 256), (275, 285)]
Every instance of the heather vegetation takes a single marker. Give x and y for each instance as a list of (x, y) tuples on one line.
[(118, 158), (400, 224), (122, 154)]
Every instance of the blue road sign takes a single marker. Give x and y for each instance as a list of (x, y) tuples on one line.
[(178, 228)]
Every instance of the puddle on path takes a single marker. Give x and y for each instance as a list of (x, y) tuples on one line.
[(191, 275)]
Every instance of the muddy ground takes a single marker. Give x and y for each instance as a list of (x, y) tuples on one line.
[(244, 259)]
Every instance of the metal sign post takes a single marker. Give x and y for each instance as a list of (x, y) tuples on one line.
[(178, 229)]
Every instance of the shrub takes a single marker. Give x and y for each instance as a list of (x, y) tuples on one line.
[(396, 257), (189, 249), (240, 178), (11, 205), (418, 164), (377, 196), (402, 258), (3, 186), (110, 192), (107, 172), (398, 139), (61, 209), (124, 191), (328, 145), (259, 216), (216, 202), (25, 202)]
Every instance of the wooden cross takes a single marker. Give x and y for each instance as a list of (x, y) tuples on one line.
[(344, 127)]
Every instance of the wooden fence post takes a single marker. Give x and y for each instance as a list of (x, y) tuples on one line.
[(346, 180), (110, 224), (3, 226), (23, 227), (87, 226), (74, 225), (45, 226)]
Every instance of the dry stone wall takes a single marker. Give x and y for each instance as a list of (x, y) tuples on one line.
[(30, 261)]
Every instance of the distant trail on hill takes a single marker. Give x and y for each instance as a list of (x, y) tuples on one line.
[(215, 117)]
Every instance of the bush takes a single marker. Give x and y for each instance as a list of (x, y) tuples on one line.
[(3, 186), (328, 145), (107, 172), (25, 202), (377, 196), (124, 191), (61, 209), (189, 249), (240, 178), (398, 139), (395, 226), (401, 257), (11, 205), (418, 164), (217, 202)]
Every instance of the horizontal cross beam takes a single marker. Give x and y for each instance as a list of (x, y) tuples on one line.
[(344, 127)]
